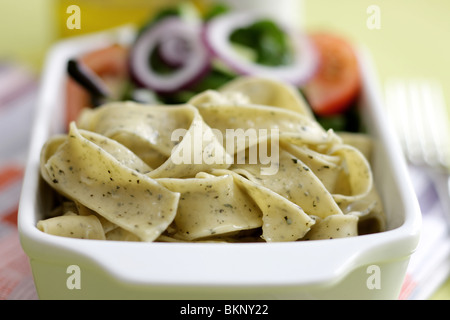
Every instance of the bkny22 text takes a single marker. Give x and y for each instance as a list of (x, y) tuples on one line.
[(231, 309)]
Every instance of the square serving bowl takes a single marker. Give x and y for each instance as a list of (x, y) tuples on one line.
[(364, 267)]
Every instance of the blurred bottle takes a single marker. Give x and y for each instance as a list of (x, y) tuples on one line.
[(290, 11), (97, 15)]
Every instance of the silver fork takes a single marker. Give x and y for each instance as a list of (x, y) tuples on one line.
[(418, 112)]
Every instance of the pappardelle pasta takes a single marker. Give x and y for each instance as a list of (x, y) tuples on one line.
[(246, 162)]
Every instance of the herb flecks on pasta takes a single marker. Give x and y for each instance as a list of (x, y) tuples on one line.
[(247, 162)]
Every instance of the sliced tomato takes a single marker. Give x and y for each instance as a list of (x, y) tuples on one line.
[(337, 81), (110, 64)]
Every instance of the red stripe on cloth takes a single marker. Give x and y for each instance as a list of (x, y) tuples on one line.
[(14, 264), (11, 217), (408, 286), (10, 174)]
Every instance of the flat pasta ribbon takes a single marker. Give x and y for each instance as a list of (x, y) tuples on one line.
[(247, 162), (282, 220), (82, 169), (211, 205), (154, 133), (268, 92)]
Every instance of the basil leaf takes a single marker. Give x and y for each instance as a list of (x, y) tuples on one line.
[(268, 41)]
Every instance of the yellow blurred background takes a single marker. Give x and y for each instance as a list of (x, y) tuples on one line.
[(410, 39)]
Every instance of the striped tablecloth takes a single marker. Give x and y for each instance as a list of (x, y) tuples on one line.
[(428, 269), (18, 91)]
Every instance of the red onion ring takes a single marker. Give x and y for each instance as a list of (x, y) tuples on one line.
[(174, 51), (217, 35), (197, 57)]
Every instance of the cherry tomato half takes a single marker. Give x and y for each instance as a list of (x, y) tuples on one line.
[(337, 81)]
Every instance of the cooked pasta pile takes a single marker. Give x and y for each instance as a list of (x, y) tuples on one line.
[(247, 162)]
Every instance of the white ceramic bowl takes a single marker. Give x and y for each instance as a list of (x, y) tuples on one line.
[(365, 267)]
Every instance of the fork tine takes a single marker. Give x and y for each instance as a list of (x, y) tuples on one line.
[(418, 129), (397, 107), (417, 109), (392, 101), (439, 124), (426, 113), (435, 123)]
